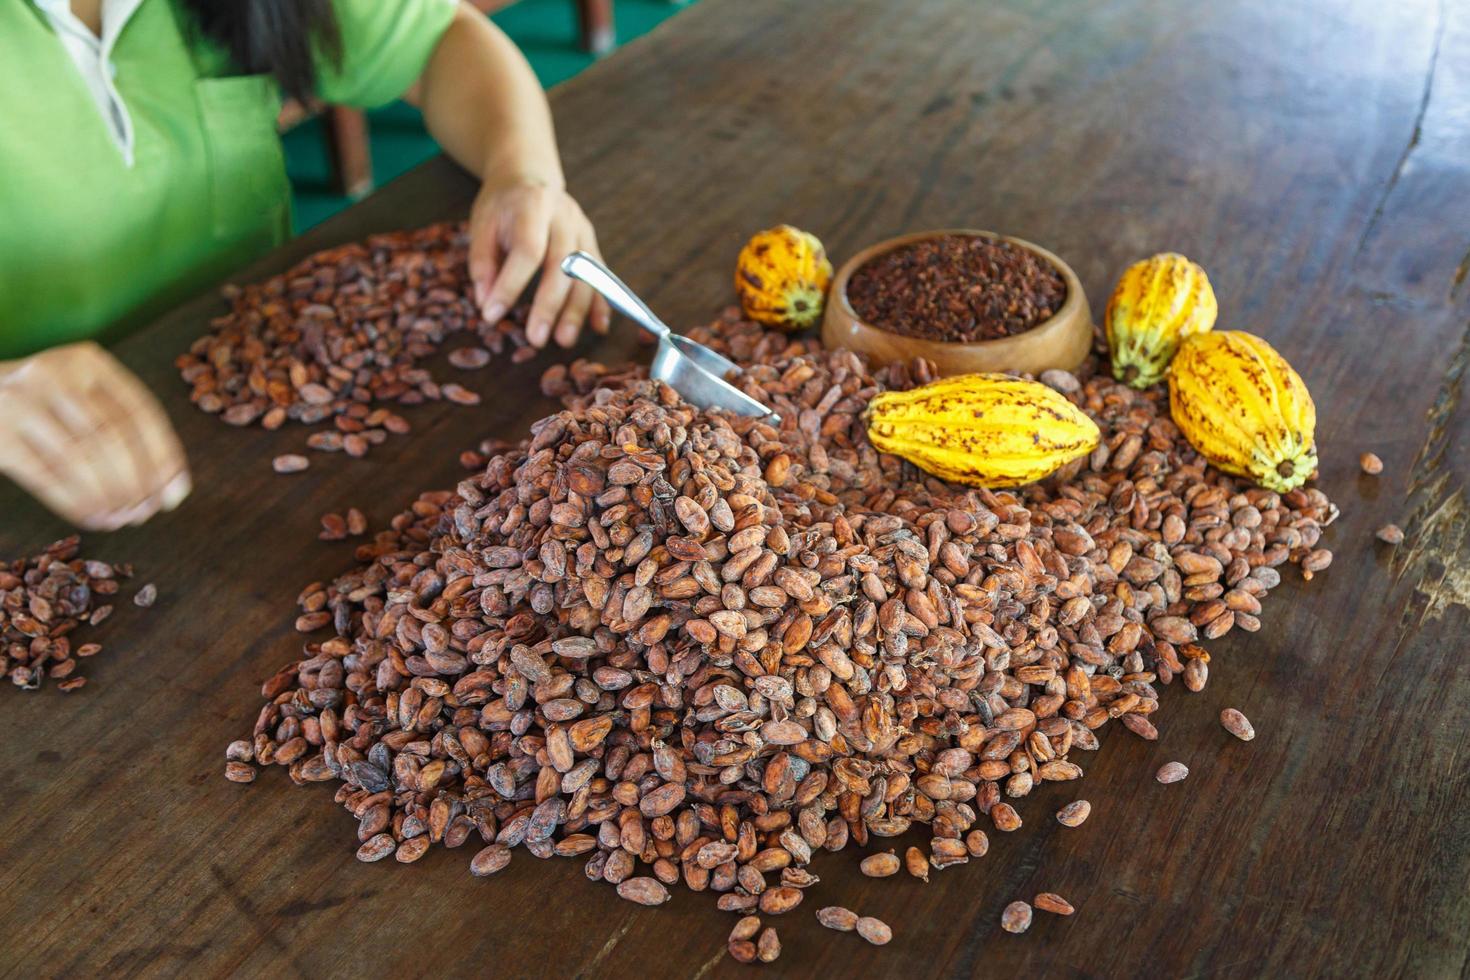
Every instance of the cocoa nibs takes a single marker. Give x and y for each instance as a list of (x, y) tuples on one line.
[(340, 336), (46, 603), (956, 288), (689, 647)]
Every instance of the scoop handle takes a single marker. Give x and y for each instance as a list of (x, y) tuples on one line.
[(580, 265)]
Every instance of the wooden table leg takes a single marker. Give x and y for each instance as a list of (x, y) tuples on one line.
[(346, 132), (595, 18)]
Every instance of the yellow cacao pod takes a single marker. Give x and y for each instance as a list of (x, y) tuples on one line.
[(1242, 406), (985, 430), (781, 278), (1156, 304)]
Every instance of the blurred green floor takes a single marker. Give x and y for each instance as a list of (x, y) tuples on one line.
[(546, 31)]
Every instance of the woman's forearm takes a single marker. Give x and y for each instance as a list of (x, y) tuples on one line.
[(482, 102)]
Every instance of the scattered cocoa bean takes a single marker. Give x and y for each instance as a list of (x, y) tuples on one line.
[(1074, 813), (916, 863), (875, 931), (1237, 724), (1053, 903), (768, 947), (880, 865), (1016, 918), (290, 463), (1171, 772), (1390, 534), (837, 917), (644, 891)]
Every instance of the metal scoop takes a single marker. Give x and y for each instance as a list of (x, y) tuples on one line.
[(692, 369)]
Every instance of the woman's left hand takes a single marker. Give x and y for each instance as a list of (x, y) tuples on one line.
[(518, 229)]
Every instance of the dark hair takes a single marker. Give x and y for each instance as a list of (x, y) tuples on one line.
[(276, 37)]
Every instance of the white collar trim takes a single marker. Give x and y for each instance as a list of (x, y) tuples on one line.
[(92, 56)]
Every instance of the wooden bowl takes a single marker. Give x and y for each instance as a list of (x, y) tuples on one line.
[(1059, 342)]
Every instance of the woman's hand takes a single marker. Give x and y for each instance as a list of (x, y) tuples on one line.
[(516, 230), (83, 436), (482, 102)]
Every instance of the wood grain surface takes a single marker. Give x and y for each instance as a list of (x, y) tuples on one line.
[(1315, 157)]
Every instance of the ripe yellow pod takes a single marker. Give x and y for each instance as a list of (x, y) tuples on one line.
[(1242, 406), (1157, 303), (987, 430), (781, 278)]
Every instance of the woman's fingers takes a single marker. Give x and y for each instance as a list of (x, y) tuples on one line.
[(117, 410), (601, 315), (544, 226), (71, 500), (526, 217), (598, 313), (483, 259), (549, 306), (128, 449), (581, 300), (105, 451), (175, 490), (40, 455), (520, 265), (87, 439), (156, 450), (58, 428), (574, 314)]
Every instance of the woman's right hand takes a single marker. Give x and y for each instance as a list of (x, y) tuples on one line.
[(87, 439)]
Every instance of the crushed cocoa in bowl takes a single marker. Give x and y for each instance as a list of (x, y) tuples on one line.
[(957, 288), (689, 647)]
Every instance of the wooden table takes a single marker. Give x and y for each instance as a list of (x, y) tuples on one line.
[(1314, 157)]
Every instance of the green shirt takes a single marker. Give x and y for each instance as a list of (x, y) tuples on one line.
[(90, 242)]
